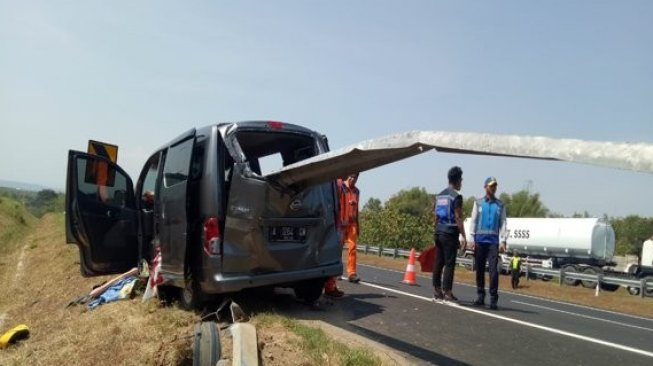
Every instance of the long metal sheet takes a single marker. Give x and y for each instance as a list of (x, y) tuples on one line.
[(381, 151)]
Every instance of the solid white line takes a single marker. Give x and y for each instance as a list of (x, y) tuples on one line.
[(520, 322), (532, 297), (582, 315)]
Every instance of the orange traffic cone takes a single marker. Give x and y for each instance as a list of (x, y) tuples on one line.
[(409, 277)]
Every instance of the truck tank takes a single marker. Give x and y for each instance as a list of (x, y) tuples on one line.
[(589, 240)]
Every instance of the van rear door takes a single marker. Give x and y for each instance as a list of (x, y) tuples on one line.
[(269, 228), (101, 215)]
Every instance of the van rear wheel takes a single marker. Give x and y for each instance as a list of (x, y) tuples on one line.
[(309, 290)]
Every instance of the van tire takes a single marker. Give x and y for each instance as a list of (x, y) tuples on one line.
[(206, 344), (190, 296), (309, 290)]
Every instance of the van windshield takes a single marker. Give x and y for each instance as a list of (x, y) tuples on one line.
[(269, 151)]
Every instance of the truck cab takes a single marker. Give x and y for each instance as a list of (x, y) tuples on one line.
[(204, 203)]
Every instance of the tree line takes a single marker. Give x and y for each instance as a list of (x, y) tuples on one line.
[(37, 203), (406, 220)]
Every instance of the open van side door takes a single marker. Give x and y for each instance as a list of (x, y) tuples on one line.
[(101, 215)]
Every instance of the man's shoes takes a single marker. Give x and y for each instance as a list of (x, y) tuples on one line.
[(479, 302), (353, 278), (438, 295), (449, 297), (493, 303), (334, 293)]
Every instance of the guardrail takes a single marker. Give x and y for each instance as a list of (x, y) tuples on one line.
[(642, 285)]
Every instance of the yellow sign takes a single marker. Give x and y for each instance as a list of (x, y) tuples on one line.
[(104, 150)]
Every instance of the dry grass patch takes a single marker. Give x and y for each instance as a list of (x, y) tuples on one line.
[(125, 333), (284, 341), (619, 300)]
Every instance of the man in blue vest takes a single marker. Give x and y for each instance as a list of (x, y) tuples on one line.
[(488, 228), (448, 226)]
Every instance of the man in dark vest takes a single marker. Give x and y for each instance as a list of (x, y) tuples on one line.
[(448, 226), (488, 228)]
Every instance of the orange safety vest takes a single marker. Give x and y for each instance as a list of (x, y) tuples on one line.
[(348, 201)]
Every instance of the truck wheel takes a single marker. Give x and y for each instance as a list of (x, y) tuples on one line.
[(589, 283), (609, 287), (570, 268), (309, 290), (206, 345), (633, 290)]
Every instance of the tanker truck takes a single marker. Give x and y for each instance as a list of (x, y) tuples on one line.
[(584, 245)]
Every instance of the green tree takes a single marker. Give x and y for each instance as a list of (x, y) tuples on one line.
[(630, 233), (414, 202), (373, 204), (524, 204)]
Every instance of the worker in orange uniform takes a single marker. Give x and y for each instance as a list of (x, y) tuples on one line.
[(348, 197)]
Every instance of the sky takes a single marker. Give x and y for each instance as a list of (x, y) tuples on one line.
[(139, 73)]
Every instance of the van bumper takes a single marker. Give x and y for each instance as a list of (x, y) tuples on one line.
[(224, 283)]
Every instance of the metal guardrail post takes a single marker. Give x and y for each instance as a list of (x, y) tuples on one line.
[(528, 272), (562, 277), (367, 248), (395, 253), (380, 251), (642, 288)]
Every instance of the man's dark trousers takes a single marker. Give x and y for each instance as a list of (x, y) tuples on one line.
[(447, 247), (490, 253)]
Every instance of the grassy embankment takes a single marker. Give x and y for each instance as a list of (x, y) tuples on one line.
[(39, 276)]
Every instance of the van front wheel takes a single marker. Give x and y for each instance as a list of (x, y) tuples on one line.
[(309, 290)]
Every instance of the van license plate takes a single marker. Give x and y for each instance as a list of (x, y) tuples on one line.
[(287, 233)]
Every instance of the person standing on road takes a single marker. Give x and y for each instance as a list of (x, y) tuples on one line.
[(488, 228), (448, 226), (515, 268), (348, 197)]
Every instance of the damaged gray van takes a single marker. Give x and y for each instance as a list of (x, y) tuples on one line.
[(204, 202)]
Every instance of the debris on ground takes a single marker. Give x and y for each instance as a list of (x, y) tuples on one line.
[(13, 335)]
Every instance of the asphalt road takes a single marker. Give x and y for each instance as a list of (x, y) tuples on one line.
[(524, 331)]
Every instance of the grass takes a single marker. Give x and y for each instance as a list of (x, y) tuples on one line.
[(126, 332), (619, 300), (15, 223), (314, 346)]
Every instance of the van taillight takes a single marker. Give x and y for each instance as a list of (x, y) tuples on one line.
[(211, 236), (275, 125)]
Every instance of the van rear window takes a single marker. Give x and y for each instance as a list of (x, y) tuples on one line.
[(270, 151)]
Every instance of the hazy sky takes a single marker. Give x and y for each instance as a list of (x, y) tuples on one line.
[(138, 73)]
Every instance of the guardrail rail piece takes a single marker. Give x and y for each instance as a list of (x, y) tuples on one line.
[(600, 278), (245, 348)]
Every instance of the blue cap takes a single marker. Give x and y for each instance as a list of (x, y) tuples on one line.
[(490, 181)]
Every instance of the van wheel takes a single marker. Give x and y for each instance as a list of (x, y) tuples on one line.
[(191, 295), (309, 290), (206, 344)]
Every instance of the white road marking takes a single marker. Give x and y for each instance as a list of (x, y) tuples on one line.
[(520, 322), (583, 315), (531, 297)]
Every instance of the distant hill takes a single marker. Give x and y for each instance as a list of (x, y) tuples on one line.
[(24, 186)]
